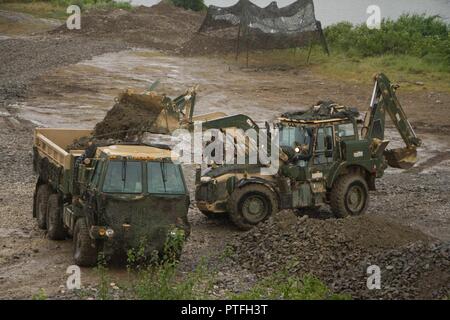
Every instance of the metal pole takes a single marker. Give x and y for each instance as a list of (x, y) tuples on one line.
[(247, 45), (238, 40)]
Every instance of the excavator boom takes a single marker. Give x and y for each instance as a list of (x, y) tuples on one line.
[(384, 100)]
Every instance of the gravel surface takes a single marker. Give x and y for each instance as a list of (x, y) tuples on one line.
[(22, 60)]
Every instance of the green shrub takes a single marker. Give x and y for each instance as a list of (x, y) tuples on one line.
[(417, 35), (196, 5)]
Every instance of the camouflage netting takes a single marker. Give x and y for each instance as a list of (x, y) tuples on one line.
[(267, 28)]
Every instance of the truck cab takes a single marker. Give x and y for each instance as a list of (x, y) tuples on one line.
[(130, 197)]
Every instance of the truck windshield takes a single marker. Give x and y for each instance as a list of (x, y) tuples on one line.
[(164, 177), (295, 136), (123, 177)]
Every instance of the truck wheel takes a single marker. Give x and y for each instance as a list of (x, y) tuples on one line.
[(84, 250), (349, 196), (250, 205), (55, 225), (42, 195)]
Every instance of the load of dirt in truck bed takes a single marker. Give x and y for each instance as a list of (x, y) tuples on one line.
[(162, 26), (132, 114), (135, 114), (338, 251)]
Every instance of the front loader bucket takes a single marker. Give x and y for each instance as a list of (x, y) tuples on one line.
[(402, 158)]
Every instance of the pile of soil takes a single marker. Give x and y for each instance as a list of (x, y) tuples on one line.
[(131, 115), (212, 42), (338, 251), (161, 26)]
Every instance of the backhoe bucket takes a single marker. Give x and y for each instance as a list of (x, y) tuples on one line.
[(402, 158)]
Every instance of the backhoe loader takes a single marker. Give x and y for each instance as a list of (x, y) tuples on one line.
[(326, 157)]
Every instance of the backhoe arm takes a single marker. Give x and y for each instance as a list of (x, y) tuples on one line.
[(384, 100)]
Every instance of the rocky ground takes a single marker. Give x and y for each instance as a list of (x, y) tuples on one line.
[(406, 230)]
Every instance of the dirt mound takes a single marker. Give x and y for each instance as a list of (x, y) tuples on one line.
[(338, 251), (161, 26), (213, 42)]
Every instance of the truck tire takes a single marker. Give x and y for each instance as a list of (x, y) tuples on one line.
[(250, 205), (55, 225), (42, 195), (84, 250), (349, 196)]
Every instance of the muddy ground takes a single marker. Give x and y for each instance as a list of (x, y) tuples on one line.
[(44, 81)]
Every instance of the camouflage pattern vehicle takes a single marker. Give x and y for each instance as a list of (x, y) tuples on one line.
[(110, 199), (328, 156)]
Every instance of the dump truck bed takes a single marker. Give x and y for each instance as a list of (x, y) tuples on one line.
[(51, 143)]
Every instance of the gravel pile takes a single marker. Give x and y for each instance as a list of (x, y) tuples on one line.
[(338, 251)]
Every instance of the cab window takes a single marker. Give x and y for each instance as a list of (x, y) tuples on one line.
[(346, 130), (324, 146), (96, 175), (164, 177), (123, 177)]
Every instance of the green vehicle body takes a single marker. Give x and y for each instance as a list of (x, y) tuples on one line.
[(125, 196), (337, 164)]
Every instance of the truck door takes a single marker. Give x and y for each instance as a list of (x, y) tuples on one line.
[(322, 159)]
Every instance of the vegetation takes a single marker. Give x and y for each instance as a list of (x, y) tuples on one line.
[(284, 286), (56, 9), (414, 48), (196, 5), (40, 295), (426, 37)]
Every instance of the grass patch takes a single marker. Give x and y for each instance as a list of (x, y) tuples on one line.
[(38, 9), (283, 286), (56, 9)]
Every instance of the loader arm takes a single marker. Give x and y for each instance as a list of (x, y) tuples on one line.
[(384, 100)]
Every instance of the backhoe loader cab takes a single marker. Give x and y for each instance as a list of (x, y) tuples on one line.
[(328, 156)]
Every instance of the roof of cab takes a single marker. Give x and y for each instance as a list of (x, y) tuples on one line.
[(134, 152)]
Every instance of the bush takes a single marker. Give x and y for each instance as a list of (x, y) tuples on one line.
[(417, 35), (196, 5)]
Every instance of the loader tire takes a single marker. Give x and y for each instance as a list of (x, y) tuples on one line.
[(84, 249), (42, 196), (250, 205), (55, 225), (349, 196)]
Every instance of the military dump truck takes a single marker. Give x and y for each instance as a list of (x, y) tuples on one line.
[(109, 199), (328, 156)]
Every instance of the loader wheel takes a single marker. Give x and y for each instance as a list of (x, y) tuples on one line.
[(84, 250), (349, 196), (250, 205), (43, 193), (55, 225)]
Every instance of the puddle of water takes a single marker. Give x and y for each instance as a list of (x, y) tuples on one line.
[(82, 93)]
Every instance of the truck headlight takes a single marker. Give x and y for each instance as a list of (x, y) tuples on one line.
[(109, 233)]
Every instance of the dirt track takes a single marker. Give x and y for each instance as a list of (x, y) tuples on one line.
[(80, 94)]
